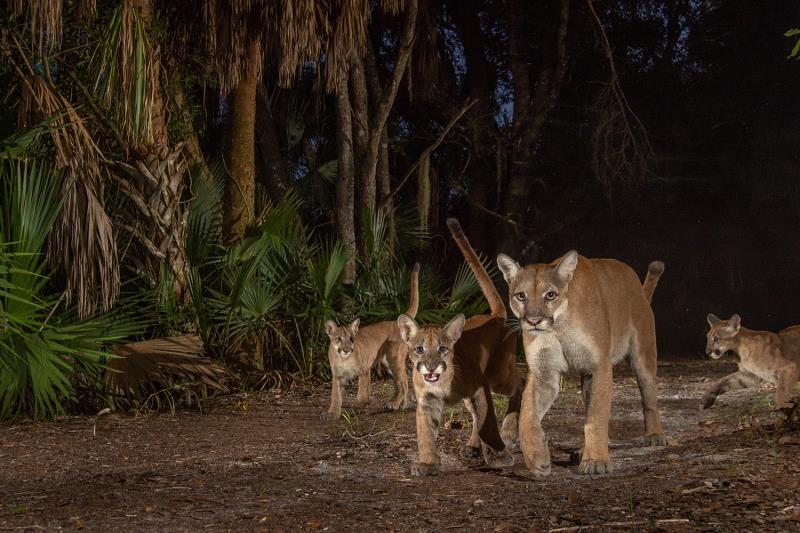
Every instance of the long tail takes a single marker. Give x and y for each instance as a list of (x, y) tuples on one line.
[(654, 271), (413, 299), (496, 304)]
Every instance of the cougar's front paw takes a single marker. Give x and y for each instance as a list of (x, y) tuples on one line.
[(470, 452), (424, 469), (595, 466), (539, 470), (328, 415), (391, 406), (498, 460), (510, 431)]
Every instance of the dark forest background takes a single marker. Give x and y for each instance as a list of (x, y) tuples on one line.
[(233, 173)]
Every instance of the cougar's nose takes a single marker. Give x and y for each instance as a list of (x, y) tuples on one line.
[(345, 351), (533, 320)]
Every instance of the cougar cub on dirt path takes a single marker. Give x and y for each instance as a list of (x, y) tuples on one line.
[(467, 360), (353, 351), (763, 356), (583, 316)]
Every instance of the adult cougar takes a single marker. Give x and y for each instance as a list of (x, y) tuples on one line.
[(763, 356), (466, 360), (583, 316), (353, 351)]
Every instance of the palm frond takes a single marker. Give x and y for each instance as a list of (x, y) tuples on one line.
[(144, 368), (45, 20), (82, 244), (126, 73), (204, 220)]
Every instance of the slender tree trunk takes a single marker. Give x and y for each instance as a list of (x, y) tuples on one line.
[(239, 198), (345, 193), (365, 188), (268, 146), (480, 79), (384, 179), (383, 107), (530, 111)]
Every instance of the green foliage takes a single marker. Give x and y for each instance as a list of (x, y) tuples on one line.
[(40, 348), (795, 53), (268, 295)]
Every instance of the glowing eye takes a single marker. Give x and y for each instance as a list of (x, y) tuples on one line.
[(442, 349), (420, 350), (550, 296), (338, 339), (352, 339), (521, 296)]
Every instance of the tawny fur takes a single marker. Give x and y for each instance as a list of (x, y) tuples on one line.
[(354, 358), (481, 361), (763, 356), (582, 316)]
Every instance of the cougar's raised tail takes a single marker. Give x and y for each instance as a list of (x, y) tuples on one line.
[(496, 304), (654, 271), (413, 299)]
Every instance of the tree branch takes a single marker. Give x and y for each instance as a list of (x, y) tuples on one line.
[(386, 202), (382, 111)]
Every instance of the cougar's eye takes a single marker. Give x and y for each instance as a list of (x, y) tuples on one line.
[(420, 350), (442, 350), (352, 339), (715, 339), (550, 295), (521, 296), (338, 339)]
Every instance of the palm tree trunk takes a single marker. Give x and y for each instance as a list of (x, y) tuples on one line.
[(239, 206), (345, 193)]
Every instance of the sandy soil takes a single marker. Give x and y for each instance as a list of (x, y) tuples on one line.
[(266, 462)]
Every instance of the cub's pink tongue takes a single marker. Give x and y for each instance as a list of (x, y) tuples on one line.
[(431, 377)]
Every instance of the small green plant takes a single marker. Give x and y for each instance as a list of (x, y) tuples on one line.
[(42, 343)]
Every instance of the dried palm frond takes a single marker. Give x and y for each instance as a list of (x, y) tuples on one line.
[(237, 30), (126, 70), (82, 243), (148, 367), (45, 17), (86, 10), (394, 7), (279, 379), (303, 23), (424, 65), (349, 34)]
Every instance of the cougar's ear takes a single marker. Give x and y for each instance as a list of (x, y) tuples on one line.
[(734, 323), (566, 267), (713, 320), (330, 327), (508, 267), (407, 326), (454, 328), (354, 325)]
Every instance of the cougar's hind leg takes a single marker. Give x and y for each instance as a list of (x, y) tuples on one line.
[(397, 361), (644, 360)]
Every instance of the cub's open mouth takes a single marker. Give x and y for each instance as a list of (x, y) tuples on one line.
[(432, 377)]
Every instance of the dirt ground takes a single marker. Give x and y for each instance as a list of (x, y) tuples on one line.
[(266, 462)]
